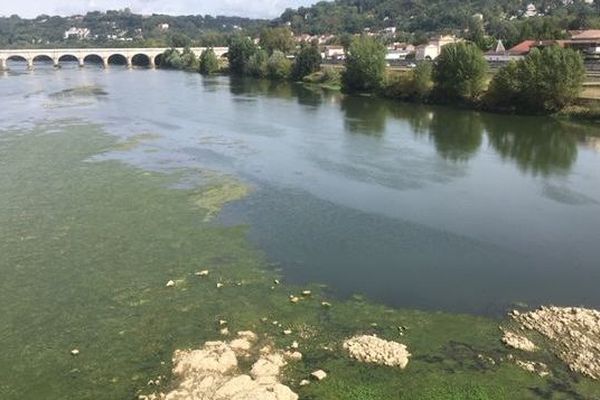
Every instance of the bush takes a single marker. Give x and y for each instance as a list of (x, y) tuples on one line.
[(308, 60), (546, 80), (460, 72), (365, 65), (415, 85), (257, 64), (173, 59), (279, 67), (209, 64), (189, 60)]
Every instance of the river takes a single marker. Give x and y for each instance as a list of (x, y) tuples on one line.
[(411, 206)]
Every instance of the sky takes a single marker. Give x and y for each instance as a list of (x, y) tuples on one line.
[(245, 8)]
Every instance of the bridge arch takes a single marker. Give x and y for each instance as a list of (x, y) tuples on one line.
[(141, 60), (117, 59), (69, 58), (17, 60), (94, 59)]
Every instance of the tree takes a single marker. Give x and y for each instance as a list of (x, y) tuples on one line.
[(209, 64), (545, 81), (365, 65), (179, 40), (240, 51), (308, 60), (279, 67), (257, 64), (281, 39), (460, 72)]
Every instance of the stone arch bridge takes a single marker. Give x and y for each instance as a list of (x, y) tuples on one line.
[(149, 57)]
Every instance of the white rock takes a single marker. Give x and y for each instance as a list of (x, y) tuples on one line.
[(170, 284), (319, 375), (202, 273), (304, 382), (75, 352), (518, 342), (219, 285), (371, 349)]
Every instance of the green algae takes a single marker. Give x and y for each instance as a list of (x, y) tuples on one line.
[(221, 191), (86, 250), (135, 141)]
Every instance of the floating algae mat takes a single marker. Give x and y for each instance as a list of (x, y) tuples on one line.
[(86, 251)]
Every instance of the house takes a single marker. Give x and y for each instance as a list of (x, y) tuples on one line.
[(399, 51), (588, 41), (77, 33), (163, 27), (498, 54), (432, 50), (530, 11), (334, 53)]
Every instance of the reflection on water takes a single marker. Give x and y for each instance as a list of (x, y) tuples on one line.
[(540, 147)]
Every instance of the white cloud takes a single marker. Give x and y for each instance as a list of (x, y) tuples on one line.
[(245, 8)]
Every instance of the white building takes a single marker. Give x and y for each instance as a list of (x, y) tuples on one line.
[(530, 11), (163, 27), (77, 33), (432, 50)]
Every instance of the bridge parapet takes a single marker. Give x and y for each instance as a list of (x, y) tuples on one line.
[(151, 54)]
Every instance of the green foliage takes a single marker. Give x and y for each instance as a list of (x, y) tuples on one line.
[(257, 64), (415, 85), (504, 87), (124, 29), (329, 77), (189, 60), (240, 51), (308, 60), (186, 60), (209, 64), (179, 40), (171, 59), (281, 39), (365, 65), (546, 80), (279, 67), (460, 72)]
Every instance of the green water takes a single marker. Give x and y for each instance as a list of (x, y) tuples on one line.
[(90, 234)]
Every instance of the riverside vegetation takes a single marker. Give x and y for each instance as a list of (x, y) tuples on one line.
[(116, 288), (547, 81)]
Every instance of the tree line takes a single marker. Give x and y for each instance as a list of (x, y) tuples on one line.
[(545, 81)]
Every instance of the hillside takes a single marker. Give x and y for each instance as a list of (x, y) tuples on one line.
[(503, 19)]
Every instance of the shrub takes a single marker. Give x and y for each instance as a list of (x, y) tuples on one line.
[(257, 64), (415, 85), (460, 72), (365, 65), (279, 66), (209, 64)]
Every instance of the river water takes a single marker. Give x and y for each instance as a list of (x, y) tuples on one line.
[(413, 206)]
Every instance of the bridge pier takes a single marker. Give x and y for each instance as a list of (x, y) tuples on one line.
[(30, 64), (105, 62), (152, 64), (129, 63), (81, 62), (3, 66), (56, 63)]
